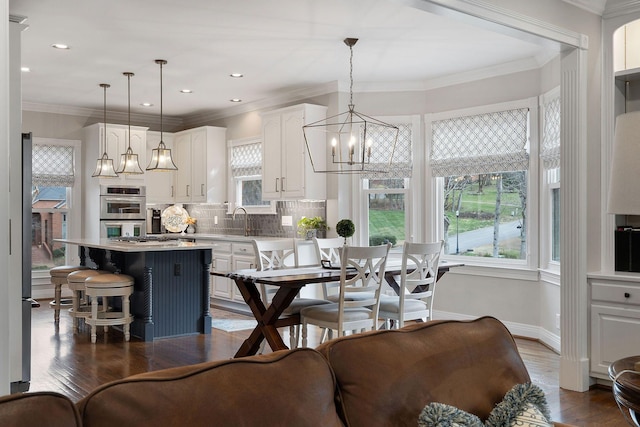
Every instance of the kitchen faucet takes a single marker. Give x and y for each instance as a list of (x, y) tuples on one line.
[(246, 218)]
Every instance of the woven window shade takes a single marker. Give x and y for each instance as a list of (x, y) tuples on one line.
[(52, 165), (382, 145), (483, 143), (550, 152), (246, 160)]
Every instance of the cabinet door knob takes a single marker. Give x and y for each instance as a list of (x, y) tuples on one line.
[(202, 189), (627, 294), (188, 190), (277, 184)]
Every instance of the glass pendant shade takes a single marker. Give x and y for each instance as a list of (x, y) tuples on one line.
[(350, 138), (104, 165), (129, 161), (161, 157)]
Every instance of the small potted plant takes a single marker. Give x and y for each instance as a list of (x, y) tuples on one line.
[(345, 228), (309, 227), (191, 224)]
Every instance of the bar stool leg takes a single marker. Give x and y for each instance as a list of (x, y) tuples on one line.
[(94, 315), (126, 309), (56, 306)]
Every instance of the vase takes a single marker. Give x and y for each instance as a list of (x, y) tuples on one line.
[(311, 233), (191, 229)]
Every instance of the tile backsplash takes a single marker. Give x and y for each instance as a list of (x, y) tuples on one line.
[(260, 224)]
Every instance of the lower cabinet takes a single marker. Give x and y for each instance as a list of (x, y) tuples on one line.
[(615, 320), (230, 256)]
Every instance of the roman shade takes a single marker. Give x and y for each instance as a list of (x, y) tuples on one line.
[(53, 165), (550, 151), (381, 148), (246, 160), (482, 143)]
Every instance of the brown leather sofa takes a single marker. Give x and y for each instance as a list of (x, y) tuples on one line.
[(381, 378)]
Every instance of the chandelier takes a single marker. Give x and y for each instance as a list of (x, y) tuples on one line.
[(350, 138)]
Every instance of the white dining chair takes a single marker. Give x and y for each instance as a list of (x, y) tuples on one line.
[(328, 249), (277, 254), (418, 276), (362, 271)]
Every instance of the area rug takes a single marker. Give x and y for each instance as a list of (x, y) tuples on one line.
[(232, 325)]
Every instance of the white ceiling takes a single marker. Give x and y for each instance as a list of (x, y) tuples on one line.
[(279, 45)]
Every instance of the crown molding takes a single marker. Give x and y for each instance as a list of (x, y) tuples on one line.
[(621, 8), (274, 101), (594, 6), (90, 112)]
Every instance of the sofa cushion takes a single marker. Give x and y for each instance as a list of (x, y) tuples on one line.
[(386, 378), (292, 388), (38, 409)]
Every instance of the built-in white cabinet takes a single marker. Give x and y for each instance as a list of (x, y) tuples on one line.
[(615, 319), (160, 187), (117, 144), (200, 155), (287, 172), (230, 256)]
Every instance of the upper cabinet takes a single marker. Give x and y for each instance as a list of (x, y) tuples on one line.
[(200, 156), (160, 186), (117, 144), (286, 168)]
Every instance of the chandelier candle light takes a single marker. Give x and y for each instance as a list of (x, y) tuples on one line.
[(161, 157), (352, 137), (129, 161), (104, 165)]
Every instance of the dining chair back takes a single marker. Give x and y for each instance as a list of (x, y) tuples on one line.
[(361, 272), (418, 276), (278, 254), (328, 249)]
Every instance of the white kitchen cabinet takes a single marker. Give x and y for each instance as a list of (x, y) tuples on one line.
[(230, 256), (287, 172), (117, 144), (615, 319), (200, 155), (160, 187)]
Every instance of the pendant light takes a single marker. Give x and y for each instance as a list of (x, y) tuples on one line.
[(161, 157), (350, 138), (128, 161), (104, 165)]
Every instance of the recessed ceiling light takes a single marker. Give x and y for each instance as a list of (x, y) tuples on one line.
[(236, 75), (60, 46), (25, 69), (147, 104), (186, 91), (235, 100)]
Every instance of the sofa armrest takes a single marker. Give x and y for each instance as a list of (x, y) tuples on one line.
[(38, 409)]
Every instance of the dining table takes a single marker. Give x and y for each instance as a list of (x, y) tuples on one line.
[(289, 281)]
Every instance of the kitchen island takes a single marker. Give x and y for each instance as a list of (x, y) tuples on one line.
[(171, 289)]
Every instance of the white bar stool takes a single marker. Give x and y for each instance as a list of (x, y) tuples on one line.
[(80, 308), (58, 278), (105, 286)]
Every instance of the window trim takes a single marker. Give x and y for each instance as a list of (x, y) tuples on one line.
[(74, 200), (436, 191), (232, 192), (413, 195)]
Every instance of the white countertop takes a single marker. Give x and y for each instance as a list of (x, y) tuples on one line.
[(203, 241)]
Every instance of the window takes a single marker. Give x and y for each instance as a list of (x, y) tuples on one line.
[(246, 177), (550, 182), (54, 184), (386, 192), (481, 163)]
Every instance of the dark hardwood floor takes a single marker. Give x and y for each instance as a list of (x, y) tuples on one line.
[(71, 365)]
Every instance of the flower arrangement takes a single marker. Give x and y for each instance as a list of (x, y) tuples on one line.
[(191, 220)]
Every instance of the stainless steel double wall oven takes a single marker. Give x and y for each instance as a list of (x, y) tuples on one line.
[(122, 210)]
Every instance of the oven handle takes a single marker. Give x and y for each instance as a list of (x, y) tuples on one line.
[(122, 199)]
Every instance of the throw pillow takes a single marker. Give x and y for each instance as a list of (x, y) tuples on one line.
[(524, 405), (441, 415)]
